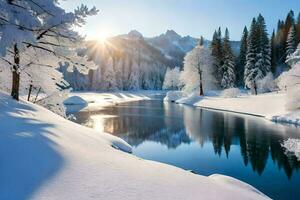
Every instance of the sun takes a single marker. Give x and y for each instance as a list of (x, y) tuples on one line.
[(103, 36)]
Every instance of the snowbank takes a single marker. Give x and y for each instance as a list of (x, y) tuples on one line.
[(269, 105), (190, 100), (91, 101), (292, 146), (173, 96), (264, 105), (44, 156), (290, 118)]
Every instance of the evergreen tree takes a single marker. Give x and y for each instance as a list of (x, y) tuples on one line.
[(228, 68), (298, 29), (217, 53), (291, 43), (252, 73), (258, 54), (201, 42), (263, 47), (242, 58), (280, 43), (289, 22), (273, 53)]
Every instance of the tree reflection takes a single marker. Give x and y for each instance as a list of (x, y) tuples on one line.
[(172, 125), (257, 138)]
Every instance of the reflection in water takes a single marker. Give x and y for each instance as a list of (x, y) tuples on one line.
[(207, 142)]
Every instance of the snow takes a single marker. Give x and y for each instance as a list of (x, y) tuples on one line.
[(230, 93), (266, 105), (289, 118), (173, 96), (48, 157), (292, 146), (190, 99), (91, 101), (271, 105)]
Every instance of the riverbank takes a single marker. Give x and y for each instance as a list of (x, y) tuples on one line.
[(44, 156), (92, 101), (270, 105)]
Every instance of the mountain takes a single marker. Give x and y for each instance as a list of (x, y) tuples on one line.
[(173, 46), (131, 61)]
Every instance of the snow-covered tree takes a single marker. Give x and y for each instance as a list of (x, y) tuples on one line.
[(291, 43), (263, 47), (134, 78), (197, 72), (252, 73), (228, 68), (258, 59), (171, 81), (290, 81), (109, 77), (32, 33), (295, 57)]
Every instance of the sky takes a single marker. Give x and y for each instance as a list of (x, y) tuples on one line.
[(186, 17)]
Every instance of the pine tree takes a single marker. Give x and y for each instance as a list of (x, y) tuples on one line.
[(263, 47), (280, 43), (291, 43), (289, 22), (251, 71), (217, 53), (242, 58), (298, 29), (228, 68), (273, 53), (201, 42), (258, 54)]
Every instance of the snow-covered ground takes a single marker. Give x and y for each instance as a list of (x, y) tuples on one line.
[(44, 156), (268, 105), (86, 101), (289, 118)]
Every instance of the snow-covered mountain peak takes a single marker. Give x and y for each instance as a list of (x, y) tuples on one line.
[(172, 34), (134, 34)]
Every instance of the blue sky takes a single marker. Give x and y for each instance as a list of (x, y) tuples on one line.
[(186, 17)]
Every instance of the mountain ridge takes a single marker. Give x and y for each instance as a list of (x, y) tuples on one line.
[(172, 45)]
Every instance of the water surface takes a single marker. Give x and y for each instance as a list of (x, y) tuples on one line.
[(206, 142)]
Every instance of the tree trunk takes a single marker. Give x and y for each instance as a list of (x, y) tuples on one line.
[(201, 85), (29, 92), (16, 75), (255, 88)]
